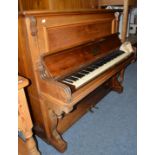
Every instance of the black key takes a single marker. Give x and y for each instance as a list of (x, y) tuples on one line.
[(107, 59), (117, 53), (70, 81), (94, 66), (78, 75), (75, 77), (72, 78), (99, 64), (83, 72), (89, 69), (120, 52), (87, 72)]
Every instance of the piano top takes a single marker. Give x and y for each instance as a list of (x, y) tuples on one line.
[(65, 12)]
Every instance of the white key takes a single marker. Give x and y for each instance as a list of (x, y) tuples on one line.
[(126, 47), (98, 71)]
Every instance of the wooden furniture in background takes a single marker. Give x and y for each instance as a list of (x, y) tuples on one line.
[(116, 2), (53, 45), (57, 4), (24, 122), (126, 4)]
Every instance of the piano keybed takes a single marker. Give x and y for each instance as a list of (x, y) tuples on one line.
[(88, 73)]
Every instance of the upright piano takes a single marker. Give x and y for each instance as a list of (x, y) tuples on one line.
[(73, 59)]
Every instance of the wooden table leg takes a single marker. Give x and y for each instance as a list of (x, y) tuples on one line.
[(24, 121), (31, 145)]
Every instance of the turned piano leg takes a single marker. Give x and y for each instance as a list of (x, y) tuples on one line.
[(117, 82), (51, 122)]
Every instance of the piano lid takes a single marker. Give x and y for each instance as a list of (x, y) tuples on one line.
[(68, 61)]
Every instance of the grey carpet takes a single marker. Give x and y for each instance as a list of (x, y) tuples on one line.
[(110, 130)]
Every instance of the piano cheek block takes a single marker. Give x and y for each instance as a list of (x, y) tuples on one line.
[(57, 90)]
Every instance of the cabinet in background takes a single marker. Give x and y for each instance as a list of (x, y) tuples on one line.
[(126, 4), (57, 4)]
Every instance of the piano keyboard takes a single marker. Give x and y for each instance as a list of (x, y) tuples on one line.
[(85, 75)]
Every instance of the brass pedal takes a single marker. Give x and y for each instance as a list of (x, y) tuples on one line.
[(96, 107), (91, 110)]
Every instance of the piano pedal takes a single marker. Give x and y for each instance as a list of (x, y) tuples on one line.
[(90, 110), (93, 106), (96, 107)]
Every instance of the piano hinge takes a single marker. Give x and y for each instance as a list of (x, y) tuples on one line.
[(33, 26)]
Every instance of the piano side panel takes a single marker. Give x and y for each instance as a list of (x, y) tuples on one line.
[(26, 63)]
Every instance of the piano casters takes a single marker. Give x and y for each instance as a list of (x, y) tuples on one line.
[(117, 81), (51, 119)]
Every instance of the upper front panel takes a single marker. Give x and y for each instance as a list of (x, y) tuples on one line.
[(76, 34), (62, 31)]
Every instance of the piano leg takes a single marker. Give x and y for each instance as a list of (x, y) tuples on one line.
[(116, 84), (50, 125), (56, 138), (121, 75)]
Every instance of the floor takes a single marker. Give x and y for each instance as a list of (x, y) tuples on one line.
[(110, 130)]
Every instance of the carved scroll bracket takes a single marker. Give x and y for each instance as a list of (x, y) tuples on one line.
[(42, 70), (33, 26)]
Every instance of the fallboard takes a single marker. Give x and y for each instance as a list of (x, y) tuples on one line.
[(68, 61)]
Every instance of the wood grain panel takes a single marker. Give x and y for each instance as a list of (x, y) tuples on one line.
[(57, 4), (62, 30), (73, 4), (47, 96), (83, 106), (72, 35), (78, 57), (116, 2)]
